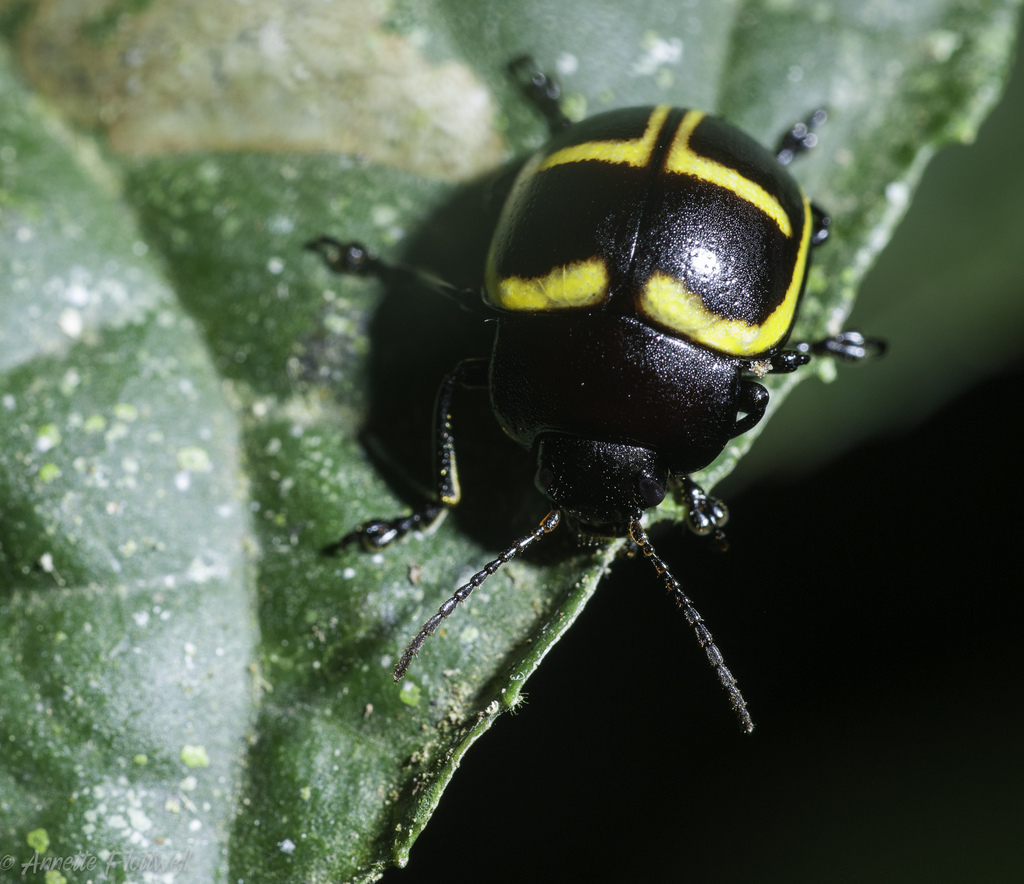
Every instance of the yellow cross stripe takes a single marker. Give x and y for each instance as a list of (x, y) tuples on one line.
[(684, 161), (583, 284), (668, 301), (633, 151)]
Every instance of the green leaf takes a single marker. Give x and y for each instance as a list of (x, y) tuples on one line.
[(184, 387), (127, 610)]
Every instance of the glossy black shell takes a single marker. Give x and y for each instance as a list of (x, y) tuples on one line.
[(666, 214)]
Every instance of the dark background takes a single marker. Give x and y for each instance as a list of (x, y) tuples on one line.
[(883, 673), (870, 607)]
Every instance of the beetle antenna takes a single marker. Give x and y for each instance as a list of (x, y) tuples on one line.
[(547, 525), (739, 705)]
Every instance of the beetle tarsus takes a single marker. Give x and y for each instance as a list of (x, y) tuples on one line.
[(800, 138), (822, 222), (788, 361), (379, 533), (351, 258), (542, 90), (705, 514), (847, 346)]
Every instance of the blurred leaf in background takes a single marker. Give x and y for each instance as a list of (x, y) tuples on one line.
[(193, 407)]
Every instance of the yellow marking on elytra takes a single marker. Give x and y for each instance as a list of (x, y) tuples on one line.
[(684, 161), (632, 151), (583, 284), (669, 302)]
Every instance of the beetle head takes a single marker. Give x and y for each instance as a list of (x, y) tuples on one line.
[(601, 487)]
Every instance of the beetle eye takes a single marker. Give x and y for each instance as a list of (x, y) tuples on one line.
[(652, 492), (545, 478)]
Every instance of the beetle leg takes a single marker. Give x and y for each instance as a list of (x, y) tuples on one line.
[(705, 514), (468, 373), (788, 361), (542, 90), (800, 139), (379, 533), (354, 259), (752, 400), (821, 225), (849, 346)]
